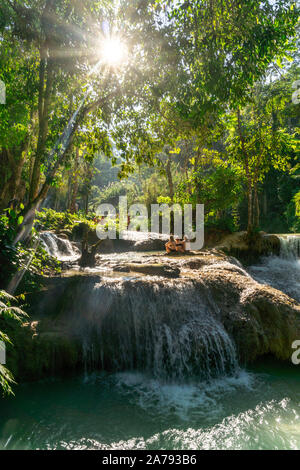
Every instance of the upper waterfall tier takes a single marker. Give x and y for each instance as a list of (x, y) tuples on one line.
[(290, 246), (60, 248), (283, 271)]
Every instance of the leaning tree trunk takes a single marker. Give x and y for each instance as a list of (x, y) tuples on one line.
[(74, 185), (60, 150), (55, 159), (18, 276)]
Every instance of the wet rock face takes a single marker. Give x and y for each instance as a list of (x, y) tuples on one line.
[(249, 250), (214, 236), (262, 320), (150, 245), (123, 246), (162, 270), (169, 315), (133, 241)]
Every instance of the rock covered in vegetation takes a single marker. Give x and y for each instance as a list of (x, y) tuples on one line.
[(249, 249), (262, 320)]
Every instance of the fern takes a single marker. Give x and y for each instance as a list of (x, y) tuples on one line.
[(6, 381), (8, 312)]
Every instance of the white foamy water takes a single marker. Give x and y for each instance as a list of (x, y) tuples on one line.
[(194, 398), (59, 248), (290, 247), (176, 382), (165, 328), (270, 426), (142, 236), (282, 272)]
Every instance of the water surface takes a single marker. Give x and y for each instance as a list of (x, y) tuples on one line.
[(256, 409)]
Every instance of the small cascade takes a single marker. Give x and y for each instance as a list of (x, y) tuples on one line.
[(282, 272), (290, 246), (168, 330), (57, 247)]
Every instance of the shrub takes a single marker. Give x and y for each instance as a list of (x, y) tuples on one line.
[(8, 312), (14, 258)]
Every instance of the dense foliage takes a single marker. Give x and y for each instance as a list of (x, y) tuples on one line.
[(8, 313)]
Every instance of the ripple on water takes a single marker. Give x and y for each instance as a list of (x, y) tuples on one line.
[(271, 425), (133, 411)]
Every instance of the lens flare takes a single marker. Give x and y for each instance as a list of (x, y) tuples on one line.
[(113, 51)]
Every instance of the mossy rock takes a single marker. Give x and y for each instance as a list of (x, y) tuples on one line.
[(81, 230), (163, 270), (249, 248)]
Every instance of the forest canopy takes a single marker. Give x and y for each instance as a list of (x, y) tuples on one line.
[(193, 101)]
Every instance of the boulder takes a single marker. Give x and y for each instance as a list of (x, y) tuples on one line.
[(80, 230), (64, 234), (150, 245), (261, 320), (249, 249), (155, 269)]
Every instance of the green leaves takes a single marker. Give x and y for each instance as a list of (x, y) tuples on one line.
[(226, 47), (8, 312), (6, 381)]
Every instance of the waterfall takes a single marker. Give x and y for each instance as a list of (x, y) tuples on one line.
[(168, 329), (57, 247), (282, 272), (290, 246)]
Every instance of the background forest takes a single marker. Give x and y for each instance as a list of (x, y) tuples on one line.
[(208, 170), (223, 134)]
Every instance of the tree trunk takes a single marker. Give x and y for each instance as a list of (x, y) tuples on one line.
[(257, 209), (14, 160), (55, 159), (45, 73), (88, 256), (248, 175), (74, 185), (250, 208), (265, 204), (170, 178), (86, 204)]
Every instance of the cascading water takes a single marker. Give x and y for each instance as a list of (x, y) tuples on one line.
[(290, 247), (169, 329), (282, 272), (57, 247)]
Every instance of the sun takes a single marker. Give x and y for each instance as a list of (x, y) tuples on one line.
[(113, 51)]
